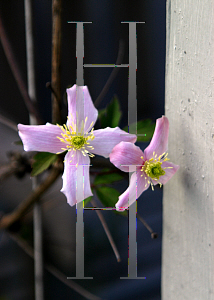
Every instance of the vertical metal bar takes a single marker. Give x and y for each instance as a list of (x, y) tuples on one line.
[(132, 99), (37, 213), (79, 170), (132, 119), (79, 236), (79, 206), (80, 54), (132, 269)]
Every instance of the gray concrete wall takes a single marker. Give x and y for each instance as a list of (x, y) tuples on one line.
[(188, 203)]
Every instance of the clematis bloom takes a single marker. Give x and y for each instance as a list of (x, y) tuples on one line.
[(151, 167), (78, 138)]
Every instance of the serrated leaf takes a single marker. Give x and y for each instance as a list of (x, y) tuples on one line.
[(146, 127), (42, 161), (107, 178), (111, 115)]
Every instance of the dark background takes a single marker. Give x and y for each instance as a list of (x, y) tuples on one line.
[(101, 41)]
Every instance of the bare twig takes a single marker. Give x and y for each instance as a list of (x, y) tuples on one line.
[(54, 271), (9, 219), (112, 75), (106, 229), (7, 170), (56, 60), (8, 123), (17, 74), (49, 86), (154, 235), (19, 165)]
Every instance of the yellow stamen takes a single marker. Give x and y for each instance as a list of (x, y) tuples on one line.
[(76, 140), (152, 168)]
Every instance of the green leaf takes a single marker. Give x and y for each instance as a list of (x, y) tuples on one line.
[(105, 170), (42, 161), (146, 127), (18, 143), (108, 196), (111, 115), (107, 178)]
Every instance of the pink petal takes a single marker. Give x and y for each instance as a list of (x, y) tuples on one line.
[(41, 138), (133, 191), (106, 139), (128, 154), (169, 172), (76, 183), (159, 142), (79, 100)]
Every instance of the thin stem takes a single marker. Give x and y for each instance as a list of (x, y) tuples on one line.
[(112, 75), (8, 123), (49, 86), (56, 60), (106, 229), (154, 235), (17, 74), (9, 219), (53, 270), (19, 165), (7, 170)]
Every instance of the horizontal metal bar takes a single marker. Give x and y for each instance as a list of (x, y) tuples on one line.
[(131, 22), (133, 277), (77, 22), (101, 208), (144, 134), (105, 66)]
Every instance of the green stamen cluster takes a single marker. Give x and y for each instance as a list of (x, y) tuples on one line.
[(154, 170), (78, 142), (74, 140)]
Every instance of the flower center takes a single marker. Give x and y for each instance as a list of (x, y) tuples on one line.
[(76, 140), (152, 168)]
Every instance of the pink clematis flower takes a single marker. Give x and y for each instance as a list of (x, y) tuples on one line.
[(78, 138), (151, 167)]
